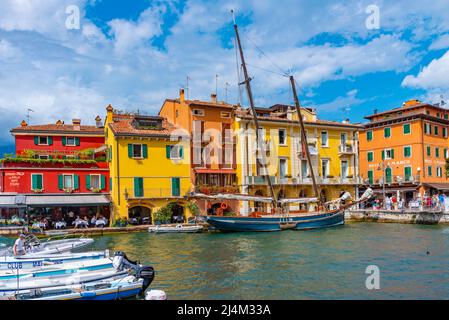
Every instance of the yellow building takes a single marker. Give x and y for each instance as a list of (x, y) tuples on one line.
[(332, 145), (149, 167)]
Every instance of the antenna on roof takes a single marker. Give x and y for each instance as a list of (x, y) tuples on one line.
[(442, 102), (187, 87), (226, 91), (216, 84), (28, 114)]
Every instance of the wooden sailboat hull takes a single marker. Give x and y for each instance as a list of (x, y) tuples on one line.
[(277, 222)]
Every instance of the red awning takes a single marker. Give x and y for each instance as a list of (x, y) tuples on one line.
[(231, 171)]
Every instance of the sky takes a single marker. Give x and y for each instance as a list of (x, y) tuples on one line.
[(134, 54)]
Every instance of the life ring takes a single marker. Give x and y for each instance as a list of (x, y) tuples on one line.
[(224, 206)]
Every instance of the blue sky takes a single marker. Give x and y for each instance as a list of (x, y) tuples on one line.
[(134, 54)]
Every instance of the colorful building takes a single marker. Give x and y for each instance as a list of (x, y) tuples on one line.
[(406, 147), (210, 128), (149, 161), (332, 146), (57, 169)]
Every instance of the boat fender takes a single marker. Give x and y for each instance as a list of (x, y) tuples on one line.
[(155, 295), (224, 206)]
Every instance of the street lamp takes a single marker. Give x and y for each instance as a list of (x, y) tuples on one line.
[(382, 167)]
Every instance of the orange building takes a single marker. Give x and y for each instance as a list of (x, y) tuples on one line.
[(407, 147), (209, 124)]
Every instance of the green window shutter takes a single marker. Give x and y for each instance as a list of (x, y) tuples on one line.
[(50, 157), (181, 152), (369, 136), (392, 153), (138, 187), (60, 182), (77, 141), (387, 132), (435, 130), (437, 152), (64, 157), (446, 116), (145, 151), (110, 183), (64, 141), (370, 156), (103, 182), (407, 173), (36, 140), (371, 177), (50, 141), (167, 151), (130, 150), (407, 128), (407, 152), (76, 181), (175, 187), (40, 183), (383, 154), (429, 171), (34, 182), (88, 181), (428, 151)]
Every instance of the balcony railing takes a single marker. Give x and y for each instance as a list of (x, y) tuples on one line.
[(346, 149), (395, 180), (206, 189), (260, 180), (154, 193)]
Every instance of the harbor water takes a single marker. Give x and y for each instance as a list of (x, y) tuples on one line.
[(318, 264)]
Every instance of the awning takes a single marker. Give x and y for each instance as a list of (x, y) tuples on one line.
[(103, 148), (230, 171), (67, 200), (395, 190), (241, 197), (8, 201), (298, 200), (438, 186)]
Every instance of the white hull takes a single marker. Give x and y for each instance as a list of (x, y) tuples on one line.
[(176, 229)]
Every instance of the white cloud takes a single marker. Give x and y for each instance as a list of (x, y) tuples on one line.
[(441, 43), (433, 76), (341, 104)]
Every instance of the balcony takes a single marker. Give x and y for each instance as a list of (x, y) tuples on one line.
[(154, 193), (346, 149), (396, 180), (313, 151), (259, 180), (206, 189)]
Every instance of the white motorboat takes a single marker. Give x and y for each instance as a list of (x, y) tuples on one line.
[(179, 228), (56, 270), (25, 262), (35, 247)]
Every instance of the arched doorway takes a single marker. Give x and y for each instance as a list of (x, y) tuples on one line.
[(177, 215), (139, 215)]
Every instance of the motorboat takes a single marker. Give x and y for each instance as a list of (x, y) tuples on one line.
[(25, 262), (35, 247), (179, 228), (56, 270)]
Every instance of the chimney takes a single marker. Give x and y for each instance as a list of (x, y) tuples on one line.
[(213, 97), (110, 114), (76, 124), (182, 98), (23, 123), (346, 121), (59, 122), (375, 111), (98, 122)]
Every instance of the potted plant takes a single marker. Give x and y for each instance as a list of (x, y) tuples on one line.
[(68, 190), (38, 190)]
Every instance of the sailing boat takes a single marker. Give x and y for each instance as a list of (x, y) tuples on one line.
[(322, 218)]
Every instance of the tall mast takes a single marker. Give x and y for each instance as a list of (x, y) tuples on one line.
[(253, 110), (304, 139)]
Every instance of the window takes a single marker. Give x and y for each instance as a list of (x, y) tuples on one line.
[(68, 181), (70, 141), (282, 137), (344, 169), (43, 141), (406, 128), (407, 173), (439, 172), (282, 168), (174, 152), (438, 114), (371, 176), (370, 156), (428, 112), (427, 128), (437, 152), (43, 156), (175, 187), (429, 153), (198, 112), (446, 116), (429, 171), (138, 151), (387, 132), (435, 130), (388, 154), (138, 187), (95, 181), (324, 139), (325, 168), (37, 181), (445, 153), (407, 152), (225, 115), (369, 136), (445, 132)]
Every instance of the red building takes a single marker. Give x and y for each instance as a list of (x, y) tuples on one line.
[(58, 169)]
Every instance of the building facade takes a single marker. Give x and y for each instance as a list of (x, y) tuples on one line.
[(332, 146), (405, 150), (149, 161)]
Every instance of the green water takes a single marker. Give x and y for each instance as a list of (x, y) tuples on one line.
[(318, 264)]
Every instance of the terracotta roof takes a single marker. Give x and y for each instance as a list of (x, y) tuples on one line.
[(406, 108), (210, 104), (244, 114), (58, 128), (124, 127)]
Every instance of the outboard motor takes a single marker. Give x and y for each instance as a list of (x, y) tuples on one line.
[(147, 274)]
